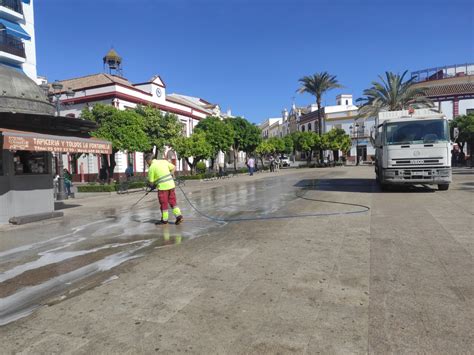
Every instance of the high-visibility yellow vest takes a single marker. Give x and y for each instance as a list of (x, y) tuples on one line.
[(159, 173)]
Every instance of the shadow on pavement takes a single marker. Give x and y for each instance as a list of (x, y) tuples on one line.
[(466, 186), (357, 185), (465, 171), (63, 206)]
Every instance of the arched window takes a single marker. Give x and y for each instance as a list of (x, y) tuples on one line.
[(302, 128), (309, 126)]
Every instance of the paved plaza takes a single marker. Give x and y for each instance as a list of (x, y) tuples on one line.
[(368, 272)]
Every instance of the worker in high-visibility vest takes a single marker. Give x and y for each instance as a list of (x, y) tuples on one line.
[(160, 176)]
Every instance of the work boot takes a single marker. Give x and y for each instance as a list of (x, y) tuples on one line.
[(161, 222), (179, 219)]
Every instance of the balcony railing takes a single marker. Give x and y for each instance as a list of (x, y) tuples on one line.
[(14, 5), (448, 71), (360, 133), (11, 45)]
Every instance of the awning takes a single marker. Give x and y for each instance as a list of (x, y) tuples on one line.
[(21, 140), (14, 29)]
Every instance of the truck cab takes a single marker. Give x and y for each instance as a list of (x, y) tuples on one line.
[(412, 148)]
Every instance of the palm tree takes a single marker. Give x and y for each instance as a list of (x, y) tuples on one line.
[(392, 93), (317, 85)]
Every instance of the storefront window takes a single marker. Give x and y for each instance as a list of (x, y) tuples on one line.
[(26, 162)]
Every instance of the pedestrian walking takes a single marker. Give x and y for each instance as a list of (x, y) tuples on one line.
[(251, 165), (454, 157), (67, 181), (129, 172), (461, 158), (277, 164), (272, 164), (160, 176)]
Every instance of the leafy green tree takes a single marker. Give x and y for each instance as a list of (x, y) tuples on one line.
[(246, 136), (465, 124), (294, 137), (278, 143), (125, 129), (218, 134), (289, 145), (162, 128), (392, 93), (337, 140), (307, 142), (238, 125), (252, 139), (322, 143), (195, 147), (264, 148)]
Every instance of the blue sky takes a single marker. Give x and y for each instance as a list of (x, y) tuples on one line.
[(248, 55)]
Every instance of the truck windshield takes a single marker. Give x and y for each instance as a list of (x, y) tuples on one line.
[(416, 132)]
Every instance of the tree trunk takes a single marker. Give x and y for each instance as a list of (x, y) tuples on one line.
[(320, 125), (471, 158), (235, 158), (213, 161), (112, 166), (109, 167), (191, 166)]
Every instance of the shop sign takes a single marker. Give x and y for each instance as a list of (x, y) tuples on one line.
[(43, 143)]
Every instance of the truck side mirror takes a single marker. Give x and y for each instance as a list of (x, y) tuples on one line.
[(455, 133), (372, 137)]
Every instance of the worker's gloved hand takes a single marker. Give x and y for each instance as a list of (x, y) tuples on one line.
[(150, 187)]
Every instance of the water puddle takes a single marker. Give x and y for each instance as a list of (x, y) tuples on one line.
[(31, 275)]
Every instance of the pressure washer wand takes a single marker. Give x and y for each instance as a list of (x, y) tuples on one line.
[(141, 198)]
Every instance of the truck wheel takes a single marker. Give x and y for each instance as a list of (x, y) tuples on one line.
[(443, 187)]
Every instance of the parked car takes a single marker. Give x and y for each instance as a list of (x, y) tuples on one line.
[(284, 161)]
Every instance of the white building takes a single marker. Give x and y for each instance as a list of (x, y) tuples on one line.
[(17, 36), (276, 129), (345, 115), (115, 90), (270, 127)]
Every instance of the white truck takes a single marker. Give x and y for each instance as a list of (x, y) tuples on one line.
[(412, 147)]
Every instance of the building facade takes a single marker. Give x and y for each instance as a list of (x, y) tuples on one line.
[(343, 115), (17, 36), (113, 89), (271, 127), (451, 88)]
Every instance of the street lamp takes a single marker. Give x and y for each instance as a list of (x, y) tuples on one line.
[(57, 88), (357, 140)]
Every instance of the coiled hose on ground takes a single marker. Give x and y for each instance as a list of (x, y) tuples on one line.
[(362, 209)]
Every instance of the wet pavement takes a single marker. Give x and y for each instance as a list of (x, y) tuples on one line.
[(70, 253), (397, 277)]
